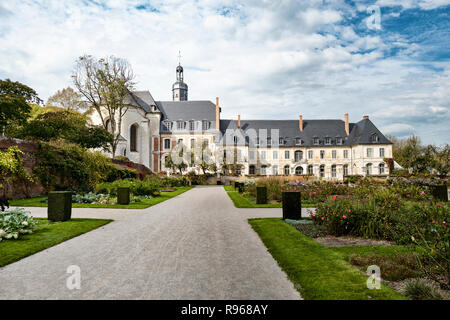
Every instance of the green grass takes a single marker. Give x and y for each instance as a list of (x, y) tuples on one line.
[(318, 272), (243, 202), (145, 203), (47, 234)]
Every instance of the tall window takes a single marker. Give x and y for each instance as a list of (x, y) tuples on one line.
[(322, 171), (166, 143), (251, 170), (381, 168), (299, 170), (310, 170), (286, 154), (133, 137), (275, 170), (369, 152), (381, 152), (322, 154), (369, 169), (345, 154), (263, 170), (333, 171), (345, 170), (333, 154), (263, 155), (251, 155), (275, 155), (286, 170), (192, 143), (298, 155), (310, 154)]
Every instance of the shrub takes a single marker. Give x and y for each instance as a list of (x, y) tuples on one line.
[(15, 222), (137, 187), (419, 289), (86, 198)]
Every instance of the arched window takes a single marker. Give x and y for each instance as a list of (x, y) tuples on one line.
[(133, 137), (381, 167), (333, 171), (369, 169), (263, 170), (310, 170), (322, 170), (251, 170), (299, 170), (286, 170), (298, 155)]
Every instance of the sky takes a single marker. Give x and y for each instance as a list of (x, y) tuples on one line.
[(389, 59)]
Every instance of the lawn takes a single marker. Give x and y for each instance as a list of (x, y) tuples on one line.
[(47, 234), (144, 203), (318, 272), (243, 202)]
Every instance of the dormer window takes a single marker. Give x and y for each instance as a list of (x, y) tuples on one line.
[(339, 141), (191, 125), (298, 141), (206, 125), (374, 138), (269, 141), (316, 141), (281, 141), (327, 141), (167, 125), (181, 125)]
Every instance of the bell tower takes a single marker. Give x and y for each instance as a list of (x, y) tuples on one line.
[(179, 88)]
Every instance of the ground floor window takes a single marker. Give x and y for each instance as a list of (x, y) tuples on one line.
[(381, 166), (275, 170), (322, 171), (369, 169), (263, 170), (299, 170), (286, 170), (333, 171), (310, 170), (251, 170), (345, 170)]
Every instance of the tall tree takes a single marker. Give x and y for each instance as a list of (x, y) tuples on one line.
[(105, 83), (15, 98), (67, 99)]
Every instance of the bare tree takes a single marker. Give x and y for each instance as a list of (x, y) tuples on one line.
[(105, 83)]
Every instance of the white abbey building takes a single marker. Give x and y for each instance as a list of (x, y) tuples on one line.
[(330, 149)]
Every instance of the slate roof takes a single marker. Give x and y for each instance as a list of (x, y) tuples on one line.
[(360, 132), (140, 99), (187, 110)]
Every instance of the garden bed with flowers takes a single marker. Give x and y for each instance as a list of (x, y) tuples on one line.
[(22, 235)]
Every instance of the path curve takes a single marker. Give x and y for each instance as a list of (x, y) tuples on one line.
[(194, 246)]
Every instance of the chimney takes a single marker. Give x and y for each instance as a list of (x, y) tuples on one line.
[(300, 123), (365, 117), (239, 121), (217, 114), (347, 127)]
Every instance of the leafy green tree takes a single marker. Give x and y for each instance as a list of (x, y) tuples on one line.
[(11, 168), (15, 98), (67, 125), (105, 83), (67, 99)]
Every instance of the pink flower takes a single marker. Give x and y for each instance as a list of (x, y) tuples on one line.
[(422, 193), (314, 192), (335, 197), (408, 195), (349, 210), (313, 215), (444, 223), (433, 221), (345, 217), (323, 218), (438, 205), (295, 189)]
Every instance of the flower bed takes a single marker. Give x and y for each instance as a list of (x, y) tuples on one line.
[(15, 222)]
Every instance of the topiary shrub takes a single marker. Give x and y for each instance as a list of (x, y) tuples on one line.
[(123, 195), (261, 195), (292, 206)]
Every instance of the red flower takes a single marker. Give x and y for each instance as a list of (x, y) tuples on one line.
[(335, 197), (438, 205), (345, 217), (349, 210)]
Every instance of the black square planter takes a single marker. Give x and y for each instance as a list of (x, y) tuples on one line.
[(261, 195), (292, 205), (59, 206), (123, 196)]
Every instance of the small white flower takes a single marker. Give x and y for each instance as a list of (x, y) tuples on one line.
[(2, 232), (24, 223)]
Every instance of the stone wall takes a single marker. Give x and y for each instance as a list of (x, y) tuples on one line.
[(23, 190)]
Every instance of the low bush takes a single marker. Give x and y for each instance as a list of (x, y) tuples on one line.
[(15, 222), (137, 187), (419, 289)]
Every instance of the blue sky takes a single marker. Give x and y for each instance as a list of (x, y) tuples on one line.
[(264, 59)]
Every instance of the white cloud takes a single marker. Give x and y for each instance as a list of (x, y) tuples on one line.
[(264, 59)]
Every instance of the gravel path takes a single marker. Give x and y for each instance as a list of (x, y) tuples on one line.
[(194, 246)]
